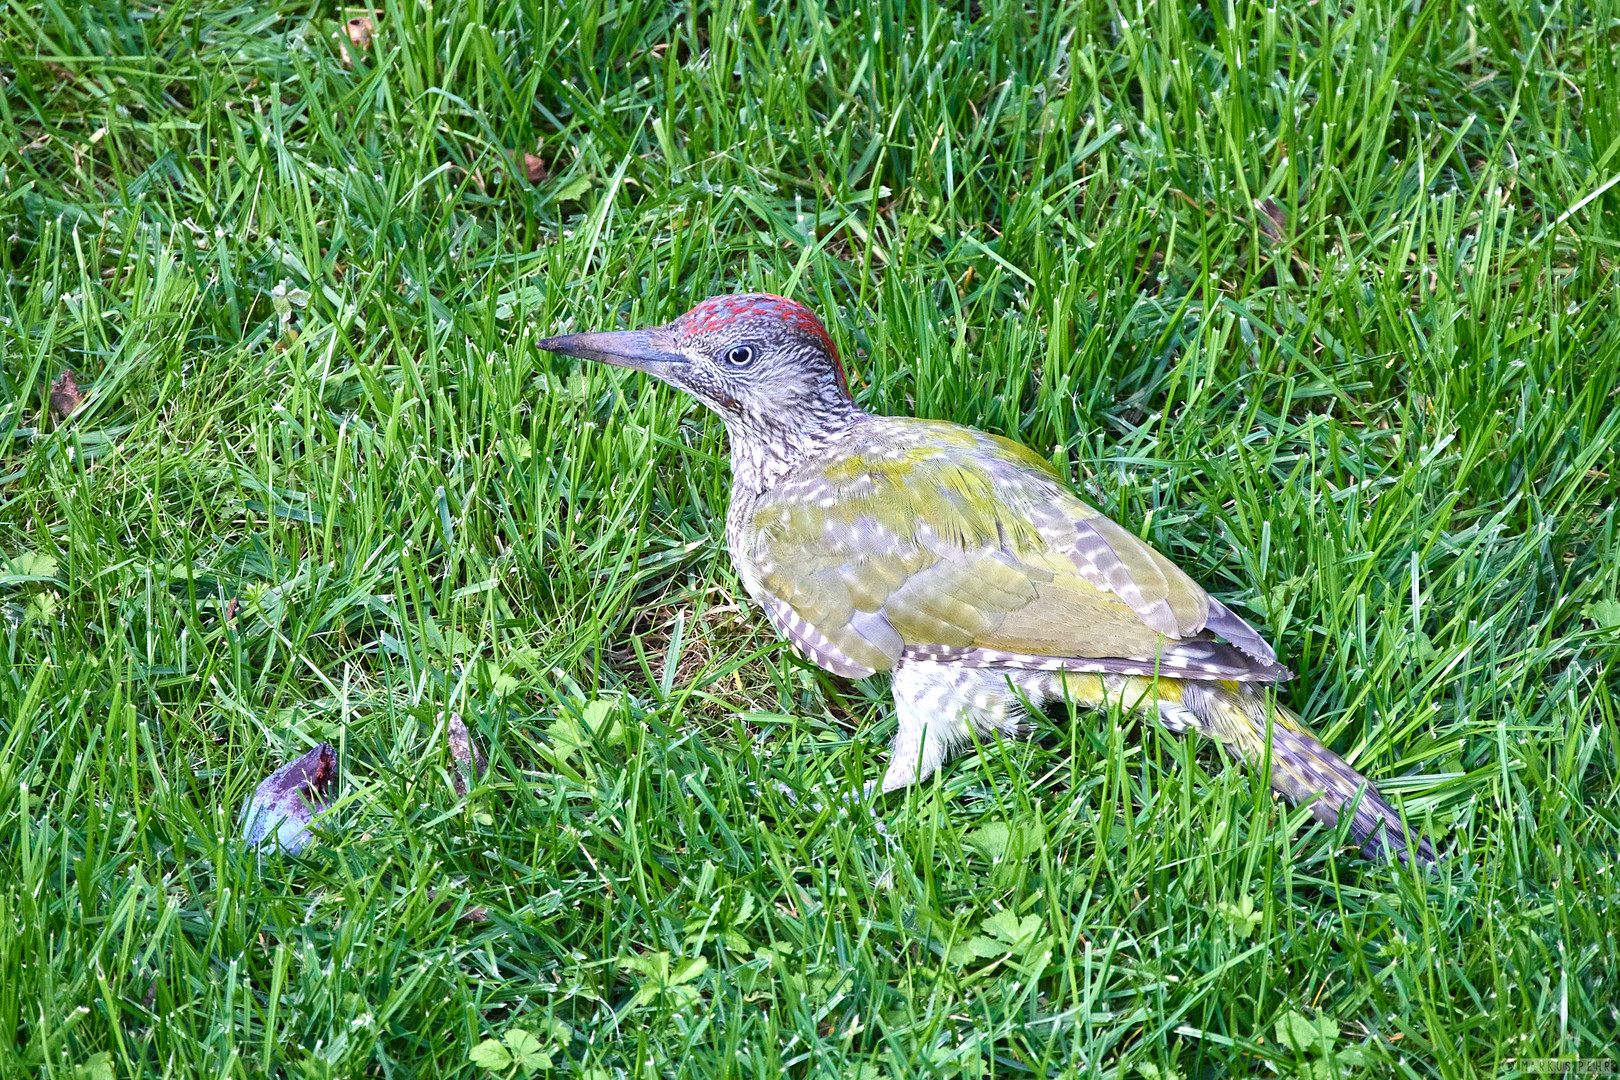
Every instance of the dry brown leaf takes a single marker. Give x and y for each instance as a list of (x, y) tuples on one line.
[(475, 914), (1273, 219), (360, 29), (535, 169), (469, 759), (65, 396)]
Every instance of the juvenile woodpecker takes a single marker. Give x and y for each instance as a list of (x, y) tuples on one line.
[(959, 562)]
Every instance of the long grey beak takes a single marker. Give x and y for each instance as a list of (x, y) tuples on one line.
[(639, 350)]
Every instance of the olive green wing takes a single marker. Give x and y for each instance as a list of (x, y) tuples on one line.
[(931, 541)]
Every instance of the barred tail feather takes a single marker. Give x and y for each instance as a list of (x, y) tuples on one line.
[(1302, 768)]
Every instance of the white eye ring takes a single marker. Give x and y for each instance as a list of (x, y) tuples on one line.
[(741, 356)]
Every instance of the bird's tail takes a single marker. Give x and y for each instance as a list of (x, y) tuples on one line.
[(1238, 717)]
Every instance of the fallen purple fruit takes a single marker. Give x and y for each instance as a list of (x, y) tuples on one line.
[(289, 799)]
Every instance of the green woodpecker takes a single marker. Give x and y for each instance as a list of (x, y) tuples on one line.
[(960, 563)]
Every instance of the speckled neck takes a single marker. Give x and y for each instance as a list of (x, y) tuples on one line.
[(767, 447)]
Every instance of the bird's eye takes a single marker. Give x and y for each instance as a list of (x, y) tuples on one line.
[(741, 356)]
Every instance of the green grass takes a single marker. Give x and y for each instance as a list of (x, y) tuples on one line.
[(1321, 298)]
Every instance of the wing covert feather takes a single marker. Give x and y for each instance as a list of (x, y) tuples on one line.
[(932, 539)]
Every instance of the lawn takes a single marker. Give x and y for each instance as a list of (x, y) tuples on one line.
[(1320, 298)]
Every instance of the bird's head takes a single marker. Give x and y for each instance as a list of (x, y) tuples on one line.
[(761, 361)]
